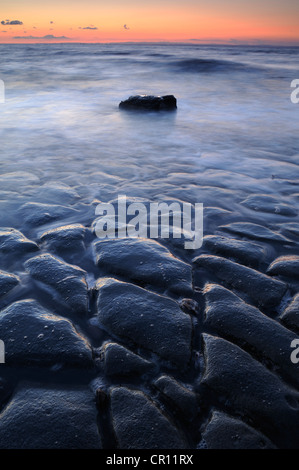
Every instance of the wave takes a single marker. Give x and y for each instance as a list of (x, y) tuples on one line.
[(156, 54), (88, 53), (209, 65), (282, 50)]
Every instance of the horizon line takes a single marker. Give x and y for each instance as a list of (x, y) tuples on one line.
[(232, 43)]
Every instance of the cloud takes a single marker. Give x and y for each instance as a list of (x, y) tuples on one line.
[(51, 22), (126, 27), (47, 37), (3, 31), (89, 27), (11, 23)]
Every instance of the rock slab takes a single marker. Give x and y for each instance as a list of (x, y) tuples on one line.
[(151, 321), (149, 103)]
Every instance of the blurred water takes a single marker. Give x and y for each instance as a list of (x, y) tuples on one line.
[(65, 146), (235, 132)]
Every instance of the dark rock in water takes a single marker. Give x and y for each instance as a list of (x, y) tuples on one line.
[(67, 280), (183, 398), (290, 228), (144, 260), (67, 237), (139, 424), (285, 266), (231, 317), (36, 214), (56, 192), (35, 336), (243, 251), (290, 316), (7, 282), (150, 320), (266, 203), (226, 432), (6, 390), (189, 306), (252, 390), (262, 289), (50, 417), (118, 360), (13, 241), (149, 103), (255, 231)]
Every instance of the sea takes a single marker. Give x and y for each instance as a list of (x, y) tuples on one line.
[(65, 149), (232, 144)]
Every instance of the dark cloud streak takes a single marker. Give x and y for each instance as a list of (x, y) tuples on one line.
[(89, 27), (47, 37), (11, 23)]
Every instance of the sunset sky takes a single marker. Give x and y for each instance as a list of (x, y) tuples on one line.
[(230, 21)]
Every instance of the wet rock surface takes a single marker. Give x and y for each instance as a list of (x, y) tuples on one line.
[(231, 317), (149, 103), (226, 432), (36, 214), (34, 336), (139, 424), (245, 252), (266, 203), (183, 398), (152, 321), (54, 417), (66, 280), (285, 266), (55, 192), (120, 361), (7, 282), (152, 348), (290, 316), (251, 390), (136, 342), (146, 261), (254, 231), (262, 289), (65, 238), (14, 242)]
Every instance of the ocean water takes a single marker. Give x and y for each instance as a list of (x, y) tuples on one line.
[(232, 144), (234, 134)]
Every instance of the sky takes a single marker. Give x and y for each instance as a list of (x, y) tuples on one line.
[(201, 21)]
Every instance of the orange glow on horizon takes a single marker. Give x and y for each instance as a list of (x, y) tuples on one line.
[(164, 21)]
